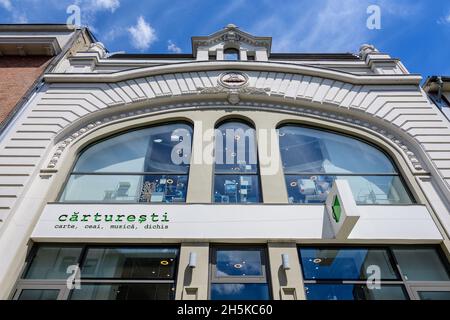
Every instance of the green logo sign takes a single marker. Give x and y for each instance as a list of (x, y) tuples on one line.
[(336, 208)]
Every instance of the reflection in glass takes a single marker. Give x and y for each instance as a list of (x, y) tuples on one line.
[(236, 189), (145, 165), (421, 264), (239, 291), (39, 294), (236, 177), (312, 159), (129, 263), (353, 292), (231, 54), (310, 150), (434, 295), (345, 264), (366, 189), (161, 291), (238, 263), (52, 262), (145, 150), (235, 149), (126, 188)]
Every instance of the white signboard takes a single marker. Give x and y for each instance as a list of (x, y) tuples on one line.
[(173, 223), (138, 222)]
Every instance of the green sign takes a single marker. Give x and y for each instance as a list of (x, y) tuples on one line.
[(336, 208)]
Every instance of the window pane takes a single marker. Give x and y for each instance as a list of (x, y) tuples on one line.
[(236, 189), (238, 263), (102, 188), (434, 295), (308, 189), (164, 188), (378, 190), (126, 188), (52, 262), (235, 148), (231, 54), (239, 291), (366, 189), (130, 263), (311, 150), (152, 291), (39, 294), (156, 149), (421, 264), (353, 292), (345, 264)]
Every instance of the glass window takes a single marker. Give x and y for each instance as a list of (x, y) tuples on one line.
[(421, 264), (145, 165), (354, 292), (231, 54), (239, 273), (345, 263), (106, 273), (434, 295), (236, 177), (312, 159), (239, 291), (162, 291), (371, 273), (129, 263), (51, 262), (236, 189), (238, 263), (366, 189), (126, 188), (39, 294)]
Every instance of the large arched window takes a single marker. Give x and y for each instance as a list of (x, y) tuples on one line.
[(313, 159), (236, 178), (145, 165)]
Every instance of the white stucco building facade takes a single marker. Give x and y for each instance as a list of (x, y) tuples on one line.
[(352, 171)]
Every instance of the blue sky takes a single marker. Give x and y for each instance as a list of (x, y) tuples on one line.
[(417, 32)]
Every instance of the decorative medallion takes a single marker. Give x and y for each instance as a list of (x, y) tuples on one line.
[(233, 80)]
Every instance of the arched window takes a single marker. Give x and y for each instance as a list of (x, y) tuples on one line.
[(313, 159), (236, 178), (145, 165), (231, 54)]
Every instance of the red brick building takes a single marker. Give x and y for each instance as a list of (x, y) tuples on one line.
[(26, 52)]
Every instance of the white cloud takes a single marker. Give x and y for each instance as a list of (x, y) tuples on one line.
[(17, 16), (142, 34), (111, 5), (6, 4), (172, 47), (325, 25), (444, 20)]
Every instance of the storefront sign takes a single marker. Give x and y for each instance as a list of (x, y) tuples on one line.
[(180, 222), (142, 221)]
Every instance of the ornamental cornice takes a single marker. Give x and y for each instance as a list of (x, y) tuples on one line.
[(404, 79)]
